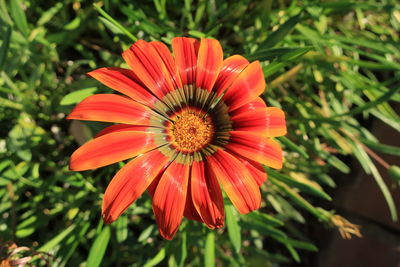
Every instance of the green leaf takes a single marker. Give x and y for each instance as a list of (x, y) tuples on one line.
[(394, 172), (294, 253), (295, 148), (370, 167), (383, 98), (73, 24), (18, 14), (99, 247), (157, 259), (114, 29), (295, 54), (4, 47), (233, 227), (72, 242), (335, 162), (24, 232), (299, 200), (122, 228), (268, 230), (273, 68), (391, 150), (262, 217), (49, 14), (301, 244), (146, 233), (264, 229), (197, 34), (10, 104), (278, 35), (114, 22), (184, 250), (279, 54), (77, 96), (297, 184), (385, 191), (209, 251), (53, 243)]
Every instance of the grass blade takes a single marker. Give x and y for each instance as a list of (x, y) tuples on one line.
[(99, 247), (278, 35), (56, 240), (4, 46), (114, 22), (209, 254), (233, 228), (19, 17), (157, 259)]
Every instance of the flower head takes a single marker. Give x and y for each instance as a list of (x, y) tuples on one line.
[(192, 122)]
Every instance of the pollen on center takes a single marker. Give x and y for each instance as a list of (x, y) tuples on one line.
[(191, 130)]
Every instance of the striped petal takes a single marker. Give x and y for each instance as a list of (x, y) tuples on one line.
[(185, 53), (146, 63), (153, 186), (125, 82), (190, 210), (231, 68), (209, 62), (236, 181), (170, 198), (256, 147), (121, 128), (266, 121), (169, 62), (111, 108), (130, 182), (256, 169), (207, 196), (255, 104), (248, 85), (111, 148)]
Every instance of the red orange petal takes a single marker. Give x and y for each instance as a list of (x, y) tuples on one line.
[(111, 148), (256, 147), (130, 182), (266, 121), (120, 128), (146, 63), (231, 68), (256, 169), (236, 181), (255, 104), (209, 62), (110, 108), (248, 85), (169, 62), (190, 210), (170, 198), (123, 81), (207, 196), (185, 53), (153, 186)]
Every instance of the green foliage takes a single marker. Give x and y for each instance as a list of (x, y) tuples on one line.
[(331, 66)]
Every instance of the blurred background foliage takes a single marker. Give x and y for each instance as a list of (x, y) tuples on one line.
[(333, 66)]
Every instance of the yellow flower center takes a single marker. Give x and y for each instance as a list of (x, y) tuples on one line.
[(191, 130)]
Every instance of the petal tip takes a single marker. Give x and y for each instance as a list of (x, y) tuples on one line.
[(72, 164), (167, 235), (70, 168), (107, 218), (217, 224)]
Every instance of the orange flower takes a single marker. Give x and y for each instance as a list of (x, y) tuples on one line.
[(192, 122)]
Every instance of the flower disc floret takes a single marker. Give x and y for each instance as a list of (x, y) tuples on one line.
[(191, 130)]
